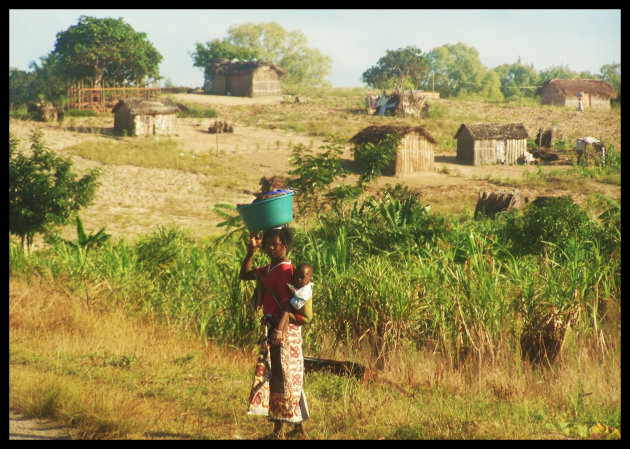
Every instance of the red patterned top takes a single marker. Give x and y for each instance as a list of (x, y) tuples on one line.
[(276, 278)]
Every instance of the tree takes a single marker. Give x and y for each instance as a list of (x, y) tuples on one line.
[(556, 72), (286, 49), (205, 55), (105, 49), (491, 86), (20, 87), (611, 73), (43, 191), (456, 69), (518, 80), (404, 68)]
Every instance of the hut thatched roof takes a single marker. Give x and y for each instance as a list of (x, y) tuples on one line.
[(488, 131), (572, 87), (154, 106), (229, 67), (376, 133)]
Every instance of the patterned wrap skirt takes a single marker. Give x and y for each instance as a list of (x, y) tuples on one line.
[(278, 379)]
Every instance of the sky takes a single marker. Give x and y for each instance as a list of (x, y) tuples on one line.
[(355, 39)]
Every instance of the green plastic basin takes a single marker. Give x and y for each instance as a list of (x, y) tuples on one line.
[(269, 213)]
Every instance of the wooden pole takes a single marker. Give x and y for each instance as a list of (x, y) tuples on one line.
[(216, 131)]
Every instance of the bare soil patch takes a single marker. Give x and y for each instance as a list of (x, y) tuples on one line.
[(22, 428)]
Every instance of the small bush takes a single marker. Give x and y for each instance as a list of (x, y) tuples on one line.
[(193, 111), (552, 220), (376, 157)]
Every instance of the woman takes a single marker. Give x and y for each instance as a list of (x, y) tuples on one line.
[(277, 389)]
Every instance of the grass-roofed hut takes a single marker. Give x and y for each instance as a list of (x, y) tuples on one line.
[(244, 78), (491, 143), (145, 117), (595, 93), (415, 153)]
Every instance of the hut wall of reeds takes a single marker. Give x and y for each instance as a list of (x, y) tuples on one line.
[(142, 117), (488, 143), (244, 78), (415, 152), (596, 93)]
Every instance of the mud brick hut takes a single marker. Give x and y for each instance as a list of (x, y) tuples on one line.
[(595, 93), (491, 143), (415, 153), (244, 78), (145, 117)]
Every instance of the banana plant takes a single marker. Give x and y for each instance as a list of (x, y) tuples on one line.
[(86, 241)]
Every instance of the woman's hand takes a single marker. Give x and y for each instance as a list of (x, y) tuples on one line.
[(255, 240), (275, 338)]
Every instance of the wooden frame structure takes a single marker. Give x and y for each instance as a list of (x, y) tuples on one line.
[(104, 98)]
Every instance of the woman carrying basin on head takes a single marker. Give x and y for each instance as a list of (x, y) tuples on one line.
[(277, 389)]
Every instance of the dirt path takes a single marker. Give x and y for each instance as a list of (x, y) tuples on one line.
[(21, 428)]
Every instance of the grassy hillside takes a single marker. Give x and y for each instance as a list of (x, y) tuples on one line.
[(149, 336)]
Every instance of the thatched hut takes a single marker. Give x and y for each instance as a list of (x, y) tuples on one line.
[(415, 152), (595, 93), (491, 143), (145, 117), (244, 78)]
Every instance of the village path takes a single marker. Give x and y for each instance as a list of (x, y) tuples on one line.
[(22, 428)]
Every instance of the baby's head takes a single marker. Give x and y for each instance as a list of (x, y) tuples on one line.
[(302, 275)]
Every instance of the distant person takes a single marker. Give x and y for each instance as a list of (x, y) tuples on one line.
[(277, 388)]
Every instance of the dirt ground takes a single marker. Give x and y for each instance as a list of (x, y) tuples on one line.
[(21, 428), (133, 200)]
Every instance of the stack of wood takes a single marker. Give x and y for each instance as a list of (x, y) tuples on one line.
[(545, 155), (43, 112), (340, 368), (220, 127), (490, 203)]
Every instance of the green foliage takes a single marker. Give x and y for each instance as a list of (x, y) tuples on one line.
[(43, 191), (105, 49), (392, 222), (554, 220), (81, 113), (374, 157), (404, 69), (313, 173), (611, 73), (21, 87), (21, 113), (517, 80), (196, 111), (205, 55), (287, 49), (456, 70), (85, 241)]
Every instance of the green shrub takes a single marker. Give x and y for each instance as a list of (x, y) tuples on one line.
[(373, 158), (194, 111), (552, 220)]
